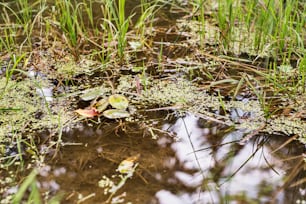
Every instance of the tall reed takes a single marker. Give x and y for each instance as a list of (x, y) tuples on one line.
[(271, 25), (68, 18)]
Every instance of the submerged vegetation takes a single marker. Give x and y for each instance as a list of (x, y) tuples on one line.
[(237, 63)]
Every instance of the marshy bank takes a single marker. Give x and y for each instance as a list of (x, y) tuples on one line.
[(152, 101)]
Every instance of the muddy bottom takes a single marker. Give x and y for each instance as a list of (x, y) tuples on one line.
[(189, 161)]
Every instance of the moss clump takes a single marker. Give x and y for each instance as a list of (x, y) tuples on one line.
[(70, 69), (170, 92), (19, 104), (181, 91), (287, 126), (255, 118), (24, 110)]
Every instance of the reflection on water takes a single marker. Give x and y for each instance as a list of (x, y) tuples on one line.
[(228, 171), (195, 168), (46, 92)]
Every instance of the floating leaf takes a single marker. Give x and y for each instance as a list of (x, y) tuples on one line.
[(88, 113), (101, 105), (127, 166), (115, 113), (118, 101), (91, 94)]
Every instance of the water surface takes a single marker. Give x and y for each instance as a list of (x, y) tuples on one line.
[(190, 161)]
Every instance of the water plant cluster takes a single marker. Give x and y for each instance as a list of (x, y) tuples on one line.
[(211, 58)]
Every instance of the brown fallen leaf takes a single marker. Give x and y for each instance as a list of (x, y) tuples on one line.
[(88, 113)]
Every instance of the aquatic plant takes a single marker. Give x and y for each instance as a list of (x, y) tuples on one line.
[(118, 102), (126, 170)]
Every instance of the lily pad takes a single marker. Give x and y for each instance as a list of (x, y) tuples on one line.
[(101, 105), (91, 94), (115, 114), (118, 101)]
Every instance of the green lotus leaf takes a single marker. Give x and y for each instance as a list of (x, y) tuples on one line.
[(101, 105), (118, 101), (91, 94), (116, 113)]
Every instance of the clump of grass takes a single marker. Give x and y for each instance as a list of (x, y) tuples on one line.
[(29, 191), (29, 182), (277, 26), (74, 23), (302, 73), (70, 24), (122, 26), (114, 17), (10, 29), (144, 24)]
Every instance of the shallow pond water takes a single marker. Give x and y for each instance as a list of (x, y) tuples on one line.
[(190, 161), (184, 160)]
